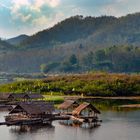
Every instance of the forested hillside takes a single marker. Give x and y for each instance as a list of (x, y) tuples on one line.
[(112, 59), (78, 44), (69, 30), (99, 31)]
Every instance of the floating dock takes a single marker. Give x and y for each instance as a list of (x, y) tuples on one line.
[(40, 112)]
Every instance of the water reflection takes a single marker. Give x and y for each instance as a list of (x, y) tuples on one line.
[(116, 125), (70, 123), (31, 128), (113, 104)]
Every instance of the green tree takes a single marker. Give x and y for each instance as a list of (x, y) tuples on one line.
[(88, 60), (100, 55), (43, 68), (73, 59)]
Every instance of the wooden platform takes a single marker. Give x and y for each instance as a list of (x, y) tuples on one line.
[(3, 123), (26, 122), (32, 121)]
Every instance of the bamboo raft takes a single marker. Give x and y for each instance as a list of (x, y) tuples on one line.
[(31, 121), (30, 113)]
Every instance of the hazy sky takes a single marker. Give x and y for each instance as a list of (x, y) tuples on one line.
[(29, 16)]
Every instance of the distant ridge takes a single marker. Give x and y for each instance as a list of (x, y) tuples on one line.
[(100, 31), (4, 45), (17, 40)]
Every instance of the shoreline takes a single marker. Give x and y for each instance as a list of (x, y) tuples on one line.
[(98, 97), (130, 106)]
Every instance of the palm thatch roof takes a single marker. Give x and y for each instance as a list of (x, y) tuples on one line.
[(67, 104), (25, 96), (33, 96), (34, 108), (83, 106), (4, 96), (16, 95)]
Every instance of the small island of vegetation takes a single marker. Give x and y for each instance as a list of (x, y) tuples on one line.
[(91, 84)]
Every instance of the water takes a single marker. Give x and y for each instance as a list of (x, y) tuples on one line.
[(115, 126)]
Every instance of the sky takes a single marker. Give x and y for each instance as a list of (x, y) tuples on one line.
[(30, 16)]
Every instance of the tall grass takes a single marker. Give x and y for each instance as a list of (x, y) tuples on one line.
[(92, 84)]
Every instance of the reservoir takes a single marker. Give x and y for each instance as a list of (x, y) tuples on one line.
[(116, 125)]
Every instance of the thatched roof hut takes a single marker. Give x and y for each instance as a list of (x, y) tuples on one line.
[(4, 96), (14, 96), (33, 96), (68, 104), (77, 111), (33, 108), (24, 96)]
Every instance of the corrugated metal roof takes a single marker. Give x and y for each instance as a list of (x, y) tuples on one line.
[(83, 106)]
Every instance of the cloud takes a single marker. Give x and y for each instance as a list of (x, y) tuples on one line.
[(48, 21), (26, 9), (53, 3), (56, 18), (17, 4), (4, 6), (111, 9), (38, 4), (22, 17), (35, 3), (29, 16), (33, 15), (21, 2), (118, 7), (40, 21)]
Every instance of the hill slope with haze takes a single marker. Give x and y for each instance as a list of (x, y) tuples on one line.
[(98, 30), (5, 46), (77, 44), (17, 40)]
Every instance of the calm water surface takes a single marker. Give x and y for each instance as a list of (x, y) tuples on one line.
[(115, 126)]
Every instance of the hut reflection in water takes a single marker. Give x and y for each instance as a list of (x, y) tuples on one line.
[(31, 128)]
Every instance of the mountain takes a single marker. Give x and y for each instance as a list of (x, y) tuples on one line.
[(77, 44), (101, 31), (5, 46), (17, 40), (67, 31), (125, 30)]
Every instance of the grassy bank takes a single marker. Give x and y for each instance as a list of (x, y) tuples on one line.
[(55, 99), (93, 84)]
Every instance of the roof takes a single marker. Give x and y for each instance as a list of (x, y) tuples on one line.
[(25, 95), (33, 96), (67, 104), (4, 95), (33, 108), (16, 95), (83, 106)]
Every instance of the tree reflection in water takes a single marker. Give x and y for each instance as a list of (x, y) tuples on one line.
[(31, 128)]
